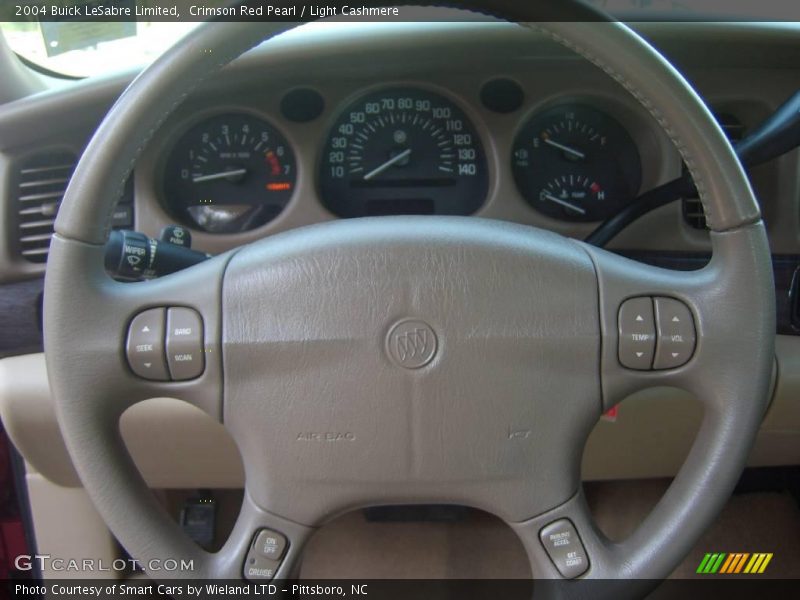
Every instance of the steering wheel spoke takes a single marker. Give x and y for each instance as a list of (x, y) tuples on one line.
[(571, 558), (140, 340), (262, 546), (676, 328), (562, 543)]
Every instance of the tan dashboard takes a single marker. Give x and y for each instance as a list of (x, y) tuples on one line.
[(743, 77)]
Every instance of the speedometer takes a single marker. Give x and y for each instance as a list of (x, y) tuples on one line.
[(403, 151)]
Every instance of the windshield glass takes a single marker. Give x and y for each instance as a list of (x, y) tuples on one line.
[(81, 48)]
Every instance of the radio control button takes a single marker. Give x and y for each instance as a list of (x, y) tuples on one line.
[(184, 343), (145, 345)]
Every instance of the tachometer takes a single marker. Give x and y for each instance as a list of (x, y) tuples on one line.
[(229, 173), (576, 163), (403, 151)]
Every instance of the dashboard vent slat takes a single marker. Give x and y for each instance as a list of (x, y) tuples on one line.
[(36, 224), (48, 169), (42, 196), (693, 213), (34, 253), (42, 180)]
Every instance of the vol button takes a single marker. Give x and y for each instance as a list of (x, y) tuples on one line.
[(676, 333)]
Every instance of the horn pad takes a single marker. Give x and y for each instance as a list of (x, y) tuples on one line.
[(409, 360)]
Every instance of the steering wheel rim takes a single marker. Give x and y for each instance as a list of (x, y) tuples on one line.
[(729, 371)]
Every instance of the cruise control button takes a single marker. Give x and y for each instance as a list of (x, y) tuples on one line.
[(184, 343), (258, 568), (676, 334), (637, 333), (565, 549), (145, 345), (270, 544)]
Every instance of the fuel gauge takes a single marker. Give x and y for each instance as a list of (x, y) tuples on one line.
[(576, 163)]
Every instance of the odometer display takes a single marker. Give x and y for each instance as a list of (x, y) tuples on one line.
[(403, 151)]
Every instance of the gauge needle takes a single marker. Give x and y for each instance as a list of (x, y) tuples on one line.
[(564, 203), (220, 175), (567, 149), (392, 161)]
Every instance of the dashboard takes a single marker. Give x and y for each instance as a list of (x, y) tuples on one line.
[(523, 131), (472, 119), (564, 155)]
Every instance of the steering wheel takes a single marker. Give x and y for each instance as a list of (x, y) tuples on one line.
[(412, 359)]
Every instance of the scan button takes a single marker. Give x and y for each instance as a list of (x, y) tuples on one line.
[(184, 343)]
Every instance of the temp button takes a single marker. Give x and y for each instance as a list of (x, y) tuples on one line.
[(637, 333), (184, 343)]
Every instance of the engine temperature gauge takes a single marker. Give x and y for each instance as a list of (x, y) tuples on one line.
[(573, 193), (576, 163)]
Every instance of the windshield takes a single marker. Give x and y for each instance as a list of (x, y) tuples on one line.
[(81, 49), (84, 48)]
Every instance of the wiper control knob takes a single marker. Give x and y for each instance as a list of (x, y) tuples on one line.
[(132, 255)]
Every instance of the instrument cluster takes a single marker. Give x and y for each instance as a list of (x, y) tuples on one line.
[(399, 150)]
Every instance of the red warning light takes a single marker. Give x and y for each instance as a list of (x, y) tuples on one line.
[(611, 414), (279, 186)]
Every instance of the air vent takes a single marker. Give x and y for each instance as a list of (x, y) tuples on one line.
[(692, 207), (42, 181), (41, 184)]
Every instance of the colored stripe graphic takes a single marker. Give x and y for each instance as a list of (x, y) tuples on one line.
[(734, 563), (711, 562), (703, 563), (727, 564), (715, 567), (762, 564), (740, 566), (755, 562), (738, 562)]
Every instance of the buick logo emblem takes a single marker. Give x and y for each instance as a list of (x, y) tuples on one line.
[(411, 344)]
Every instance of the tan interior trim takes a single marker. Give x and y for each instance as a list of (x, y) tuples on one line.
[(174, 444), (68, 528)]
